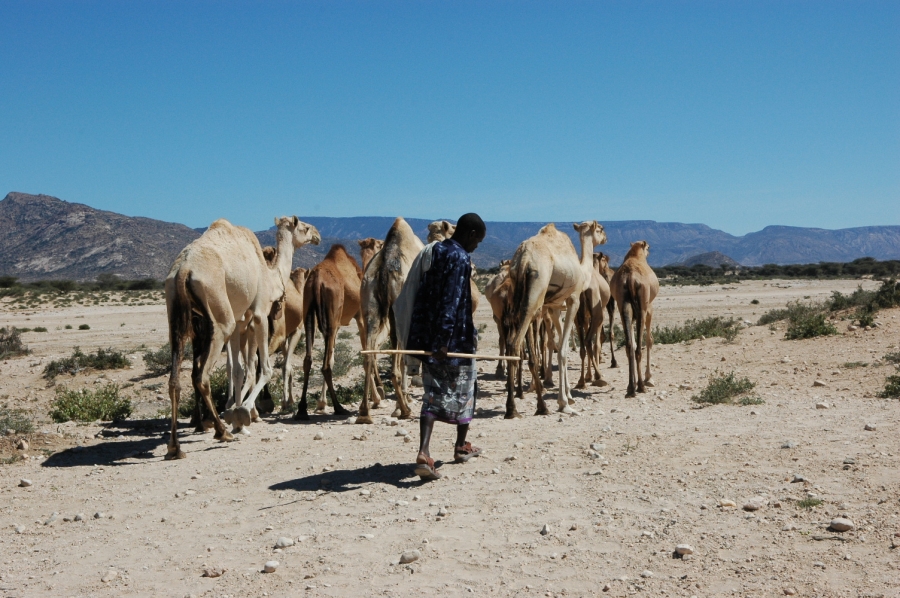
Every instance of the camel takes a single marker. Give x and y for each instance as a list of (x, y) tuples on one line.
[(331, 298), (216, 287), (546, 271), (607, 273), (634, 286), (588, 322), (382, 281), (368, 248), (496, 292)]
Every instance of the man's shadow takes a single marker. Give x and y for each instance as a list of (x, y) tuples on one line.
[(399, 475)]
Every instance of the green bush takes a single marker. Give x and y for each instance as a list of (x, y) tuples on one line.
[(792, 311), (88, 405), (694, 329), (345, 394), (11, 344), (83, 327), (809, 325), (68, 327), (809, 503), (724, 388), (893, 358), (857, 298), (218, 389), (159, 362), (891, 388), (103, 359), (15, 419), (40, 329), (754, 302)]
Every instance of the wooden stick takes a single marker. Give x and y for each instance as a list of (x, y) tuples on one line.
[(415, 352)]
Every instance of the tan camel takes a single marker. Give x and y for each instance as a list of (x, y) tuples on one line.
[(634, 287), (588, 323), (331, 299), (368, 248), (382, 281), (546, 271), (607, 273), (497, 292), (217, 285)]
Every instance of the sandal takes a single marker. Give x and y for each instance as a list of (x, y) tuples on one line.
[(427, 470), (465, 452)]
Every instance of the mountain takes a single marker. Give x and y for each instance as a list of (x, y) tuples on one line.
[(713, 259), (44, 237)]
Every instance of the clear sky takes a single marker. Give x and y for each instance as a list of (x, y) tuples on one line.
[(734, 114)]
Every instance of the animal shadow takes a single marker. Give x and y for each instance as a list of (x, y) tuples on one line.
[(399, 475)]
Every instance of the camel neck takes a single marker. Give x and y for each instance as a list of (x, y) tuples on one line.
[(284, 251)]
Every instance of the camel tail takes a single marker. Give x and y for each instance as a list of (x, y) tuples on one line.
[(515, 312), (180, 328)]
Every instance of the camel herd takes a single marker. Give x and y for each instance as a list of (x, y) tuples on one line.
[(226, 292)]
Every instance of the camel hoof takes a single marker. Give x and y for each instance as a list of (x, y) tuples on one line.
[(175, 453), (339, 410), (364, 419), (613, 365), (254, 415), (512, 415), (241, 431), (266, 406), (567, 410), (224, 436), (381, 395), (548, 383), (571, 401), (301, 416), (542, 411), (580, 385), (208, 424), (199, 429), (319, 411), (630, 395), (228, 416), (242, 416), (649, 382), (600, 383)]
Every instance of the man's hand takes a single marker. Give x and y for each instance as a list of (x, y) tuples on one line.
[(440, 354)]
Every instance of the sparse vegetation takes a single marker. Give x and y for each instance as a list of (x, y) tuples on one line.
[(15, 419), (86, 405), (809, 325), (725, 388), (83, 327), (159, 362), (809, 503), (68, 327), (745, 401), (891, 388), (39, 329), (103, 359), (754, 302), (855, 364), (893, 358), (695, 329), (705, 275), (345, 394), (11, 344)]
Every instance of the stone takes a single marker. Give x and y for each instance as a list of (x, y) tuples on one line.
[(684, 549), (727, 504), (821, 405), (870, 427), (606, 587), (367, 536), (820, 383), (797, 479), (52, 518), (518, 445), (318, 436), (365, 492), (410, 556), (841, 524), (20, 529), (99, 515), (596, 446), (646, 534), (788, 444), (495, 470), (407, 438), (284, 542), (545, 530), (756, 503), (109, 576), (22, 445), (443, 512), (790, 592), (401, 432), (647, 574), (849, 461), (214, 572), (270, 566)]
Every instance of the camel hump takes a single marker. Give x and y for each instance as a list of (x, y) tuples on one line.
[(221, 223), (337, 250), (548, 229)]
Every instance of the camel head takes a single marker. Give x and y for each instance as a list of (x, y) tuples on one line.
[(593, 230), (639, 249), (301, 232), (372, 244), (298, 277), (601, 262), (440, 230), (269, 253)]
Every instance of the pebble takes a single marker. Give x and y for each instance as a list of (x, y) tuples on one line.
[(606, 587), (270, 566), (870, 427), (797, 478), (788, 444), (401, 432), (840, 524), (728, 504), (318, 436), (367, 536), (647, 534), (109, 576), (99, 515), (442, 512), (214, 572), (790, 592), (364, 492), (596, 446), (52, 518), (785, 360), (821, 405), (22, 445), (284, 542), (495, 470), (647, 574), (819, 383), (545, 530), (518, 445), (20, 529), (756, 503), (24, 483), (684, 549), (407, 438), (410, 556)]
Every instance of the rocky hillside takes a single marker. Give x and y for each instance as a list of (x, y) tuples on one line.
[(44, 237), (713, 259)]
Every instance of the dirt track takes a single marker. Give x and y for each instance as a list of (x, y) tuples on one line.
[(353, 506)]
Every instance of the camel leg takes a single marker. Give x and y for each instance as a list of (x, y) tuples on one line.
[(200, 379), (287, 401), (533, 356), (625, 314), (549, 347), (369, 364), (331, 337), (310, 325), (610, 310), (580, 325), (174, 449), (595, 347), (512, 368), (243, 414), (648, 378), (638, 350), (398, 377), (564, 398)]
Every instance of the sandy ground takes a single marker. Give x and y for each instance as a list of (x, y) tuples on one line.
[(614, 513)]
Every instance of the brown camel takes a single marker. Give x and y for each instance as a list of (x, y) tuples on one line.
[(286, 332), (331, 299), (382, 281), (634, 287), (607, 273), (368, 248), (217, 285), (588, 323), (546, 271)]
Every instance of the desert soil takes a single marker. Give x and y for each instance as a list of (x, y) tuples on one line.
[(657, 478)]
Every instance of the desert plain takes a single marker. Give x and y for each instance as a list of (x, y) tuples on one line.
[(586, 505)]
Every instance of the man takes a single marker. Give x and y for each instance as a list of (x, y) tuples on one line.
[(442, 323)]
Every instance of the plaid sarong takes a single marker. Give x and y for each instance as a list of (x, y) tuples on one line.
[(449, 392)]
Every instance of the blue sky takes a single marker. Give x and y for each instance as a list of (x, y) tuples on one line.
[(734, 114)]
